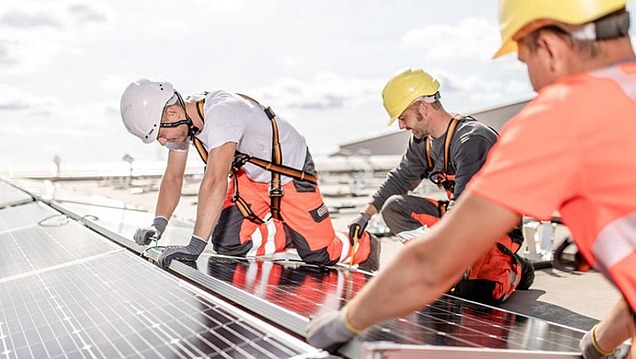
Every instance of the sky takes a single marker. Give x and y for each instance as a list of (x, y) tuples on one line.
[(320, 64)]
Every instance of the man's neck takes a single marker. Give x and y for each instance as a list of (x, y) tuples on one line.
[(191, 110), (441, 121)]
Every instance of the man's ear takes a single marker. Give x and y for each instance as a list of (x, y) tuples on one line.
[(171, 112), (554, 48)]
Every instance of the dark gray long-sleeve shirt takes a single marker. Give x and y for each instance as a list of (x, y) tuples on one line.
[(468, 150)]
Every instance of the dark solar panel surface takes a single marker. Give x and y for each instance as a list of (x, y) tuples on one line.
[(449, 321), (10, 195), (65, 292), (117, 306)]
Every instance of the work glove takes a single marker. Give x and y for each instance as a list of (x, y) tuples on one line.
[(357, 226), (329, 331), (189, 253), (589, 350), (143, 236)]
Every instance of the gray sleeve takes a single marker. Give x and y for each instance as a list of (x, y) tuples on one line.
[(406, 176), (470, 154)]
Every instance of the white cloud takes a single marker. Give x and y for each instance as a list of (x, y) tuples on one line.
[(34, 32), (470, 39), (326, 90)]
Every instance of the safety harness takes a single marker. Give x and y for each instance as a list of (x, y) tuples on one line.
[(443, 179), (274, 166)]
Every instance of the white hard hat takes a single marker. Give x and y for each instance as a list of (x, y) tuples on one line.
[(142, 105)]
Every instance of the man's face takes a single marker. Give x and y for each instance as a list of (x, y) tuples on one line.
[(414, 119), (178, 134)]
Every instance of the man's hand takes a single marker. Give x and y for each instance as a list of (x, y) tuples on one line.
[(357, 226), (330, 331), (143, 236), (589, 347), (189, 253)]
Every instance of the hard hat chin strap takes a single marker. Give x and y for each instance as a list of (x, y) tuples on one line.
[(192, 129)]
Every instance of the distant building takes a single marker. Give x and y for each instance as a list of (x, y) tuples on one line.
[(394, 144)]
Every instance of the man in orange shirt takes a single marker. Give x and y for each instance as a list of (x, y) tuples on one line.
[(581, 63)]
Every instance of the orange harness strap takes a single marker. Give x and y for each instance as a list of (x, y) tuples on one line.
[(275, 167), (443, 179)]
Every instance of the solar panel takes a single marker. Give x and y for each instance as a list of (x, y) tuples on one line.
[(37, 247), (11, 196), (25, 215), (116, 305), (448, 322), (289, 293)]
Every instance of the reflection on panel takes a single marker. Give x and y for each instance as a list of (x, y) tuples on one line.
[(118, 306), (11, 196), (449, 321)]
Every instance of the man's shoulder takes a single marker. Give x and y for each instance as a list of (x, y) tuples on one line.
[(471, 127)]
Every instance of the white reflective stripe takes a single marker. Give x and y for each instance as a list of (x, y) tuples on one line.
[(250, 276), (615, 242), (270, 245), (266, 269), (625, 81), (257, 239), (345, 257)]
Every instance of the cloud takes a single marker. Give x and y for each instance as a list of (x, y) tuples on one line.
[(34, 32), (471, 38), (325, 90)]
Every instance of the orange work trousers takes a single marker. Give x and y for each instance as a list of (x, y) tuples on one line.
[(305, 225)]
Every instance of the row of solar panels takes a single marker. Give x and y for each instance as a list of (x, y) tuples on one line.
[(76, 256), (67, 291)]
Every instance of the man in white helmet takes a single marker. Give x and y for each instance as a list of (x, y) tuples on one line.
[(581, 63), (259, 194)]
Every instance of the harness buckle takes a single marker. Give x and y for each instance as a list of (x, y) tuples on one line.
[(276, 192), (269, 112)]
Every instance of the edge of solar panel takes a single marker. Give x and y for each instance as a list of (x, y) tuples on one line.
[(389, 350), (12, 195)]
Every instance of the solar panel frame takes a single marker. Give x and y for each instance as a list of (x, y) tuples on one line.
[(12, 196)]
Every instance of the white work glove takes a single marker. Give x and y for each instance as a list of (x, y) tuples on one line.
[(143, 236), (330, 331)]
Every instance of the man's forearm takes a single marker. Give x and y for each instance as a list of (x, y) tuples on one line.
[(169, 195), (210, 202)]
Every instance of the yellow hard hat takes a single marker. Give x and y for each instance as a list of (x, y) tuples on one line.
[(404, 87), (514, 15)]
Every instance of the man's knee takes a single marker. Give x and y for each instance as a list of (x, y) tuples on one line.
[(394, 212)]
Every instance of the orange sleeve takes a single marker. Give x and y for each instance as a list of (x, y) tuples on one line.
[(530, 170)]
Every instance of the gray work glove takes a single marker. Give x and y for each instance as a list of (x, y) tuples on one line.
[(329, 331), (143, 236), (357, 226), (189, 253), (588, 350)]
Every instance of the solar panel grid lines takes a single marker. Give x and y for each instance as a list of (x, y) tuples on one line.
[(119, 306)]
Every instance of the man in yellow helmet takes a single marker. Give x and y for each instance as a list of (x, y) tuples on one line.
[(447, 149), (581, 63)]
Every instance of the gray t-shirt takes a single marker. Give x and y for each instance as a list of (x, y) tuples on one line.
[(468, 150)]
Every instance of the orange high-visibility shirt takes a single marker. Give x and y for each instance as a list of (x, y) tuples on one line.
[(573, 150)]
